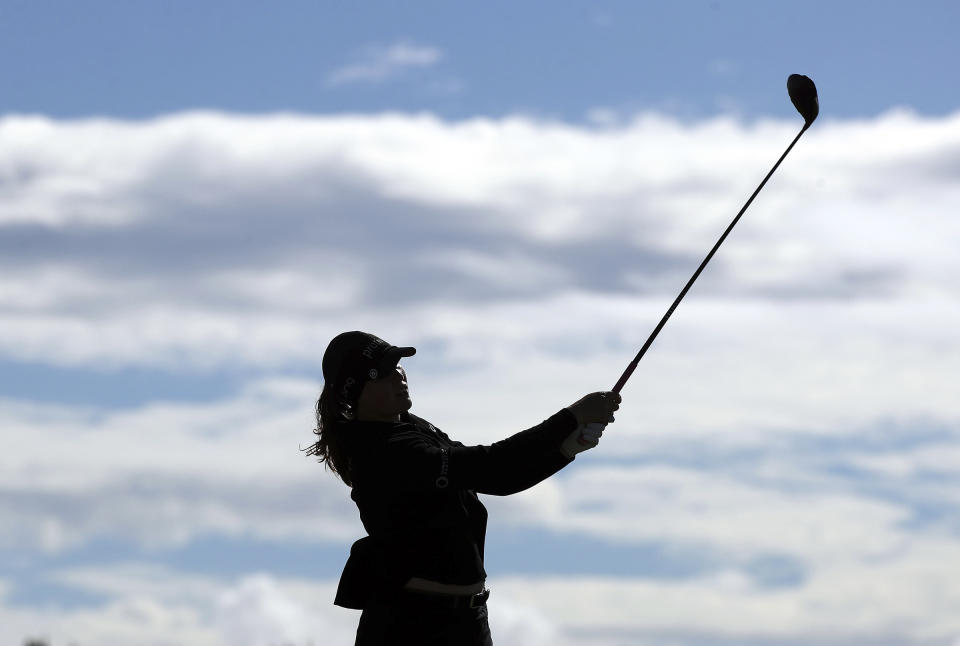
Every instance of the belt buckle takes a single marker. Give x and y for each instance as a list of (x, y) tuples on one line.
[(479, 599)]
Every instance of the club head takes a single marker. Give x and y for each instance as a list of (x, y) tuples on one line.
[(803, 93)]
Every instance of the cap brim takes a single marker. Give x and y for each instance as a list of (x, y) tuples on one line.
[(393, 354)]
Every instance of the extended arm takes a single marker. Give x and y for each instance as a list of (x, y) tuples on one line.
[(505, 467)]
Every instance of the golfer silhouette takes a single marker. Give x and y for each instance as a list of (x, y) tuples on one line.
[(418, 575)]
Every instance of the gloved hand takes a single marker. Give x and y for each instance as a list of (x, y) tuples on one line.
[(583, 438), (596, 407)]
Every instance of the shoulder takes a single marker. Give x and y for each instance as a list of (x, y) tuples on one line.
[(420, 423), (417, 434), (426, 427), (412, 430)]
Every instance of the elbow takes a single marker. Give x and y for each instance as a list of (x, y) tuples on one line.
[(503, 491)]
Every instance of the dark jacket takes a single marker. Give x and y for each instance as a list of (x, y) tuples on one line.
[(416, 490)]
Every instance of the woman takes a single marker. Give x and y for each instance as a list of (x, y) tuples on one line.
[(418, 576)]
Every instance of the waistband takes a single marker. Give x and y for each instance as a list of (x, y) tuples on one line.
[(426, 585), (445, 600)]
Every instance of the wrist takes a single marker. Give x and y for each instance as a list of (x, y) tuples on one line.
[(573, 411)]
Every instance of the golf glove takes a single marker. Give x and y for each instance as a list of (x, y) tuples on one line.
[(583, 438)]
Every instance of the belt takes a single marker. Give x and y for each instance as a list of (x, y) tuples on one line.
[(448, 600)]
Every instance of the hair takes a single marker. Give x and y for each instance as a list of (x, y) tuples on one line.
[(330, 447)]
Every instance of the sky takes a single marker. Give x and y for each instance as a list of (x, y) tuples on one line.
[(196, 197)]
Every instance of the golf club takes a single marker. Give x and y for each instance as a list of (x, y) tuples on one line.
[(803, 94)]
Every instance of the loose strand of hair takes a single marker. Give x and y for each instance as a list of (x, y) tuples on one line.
[(329, 447)]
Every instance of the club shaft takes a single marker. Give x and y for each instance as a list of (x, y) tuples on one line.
[(636, 360)]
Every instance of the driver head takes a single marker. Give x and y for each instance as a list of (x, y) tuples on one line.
[(803, 94)]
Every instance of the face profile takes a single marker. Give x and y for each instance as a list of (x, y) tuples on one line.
[(384, 398)]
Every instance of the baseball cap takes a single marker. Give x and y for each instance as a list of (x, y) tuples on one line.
[(352, 358)]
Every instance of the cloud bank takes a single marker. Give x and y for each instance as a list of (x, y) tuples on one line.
[(795, 426)]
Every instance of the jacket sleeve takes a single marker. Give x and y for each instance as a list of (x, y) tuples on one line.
[(502, 468)]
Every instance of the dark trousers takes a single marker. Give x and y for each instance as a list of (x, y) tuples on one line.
[(400, 623)]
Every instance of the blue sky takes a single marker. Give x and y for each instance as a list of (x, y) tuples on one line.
[(561, 60), (196, 197)]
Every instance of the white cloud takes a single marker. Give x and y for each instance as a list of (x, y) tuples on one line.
[(906, 603), (722, 68), (380, 63), (165, 474), (909, 602), (510, 272), (545, 241), (528, 261), (603, 117), (257, 613), (158, 607), (516, 624), (727, 514)]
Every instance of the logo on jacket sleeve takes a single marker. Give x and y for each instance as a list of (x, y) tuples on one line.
[(442, 481)]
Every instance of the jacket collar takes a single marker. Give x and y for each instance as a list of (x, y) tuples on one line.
[(366, 430)]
